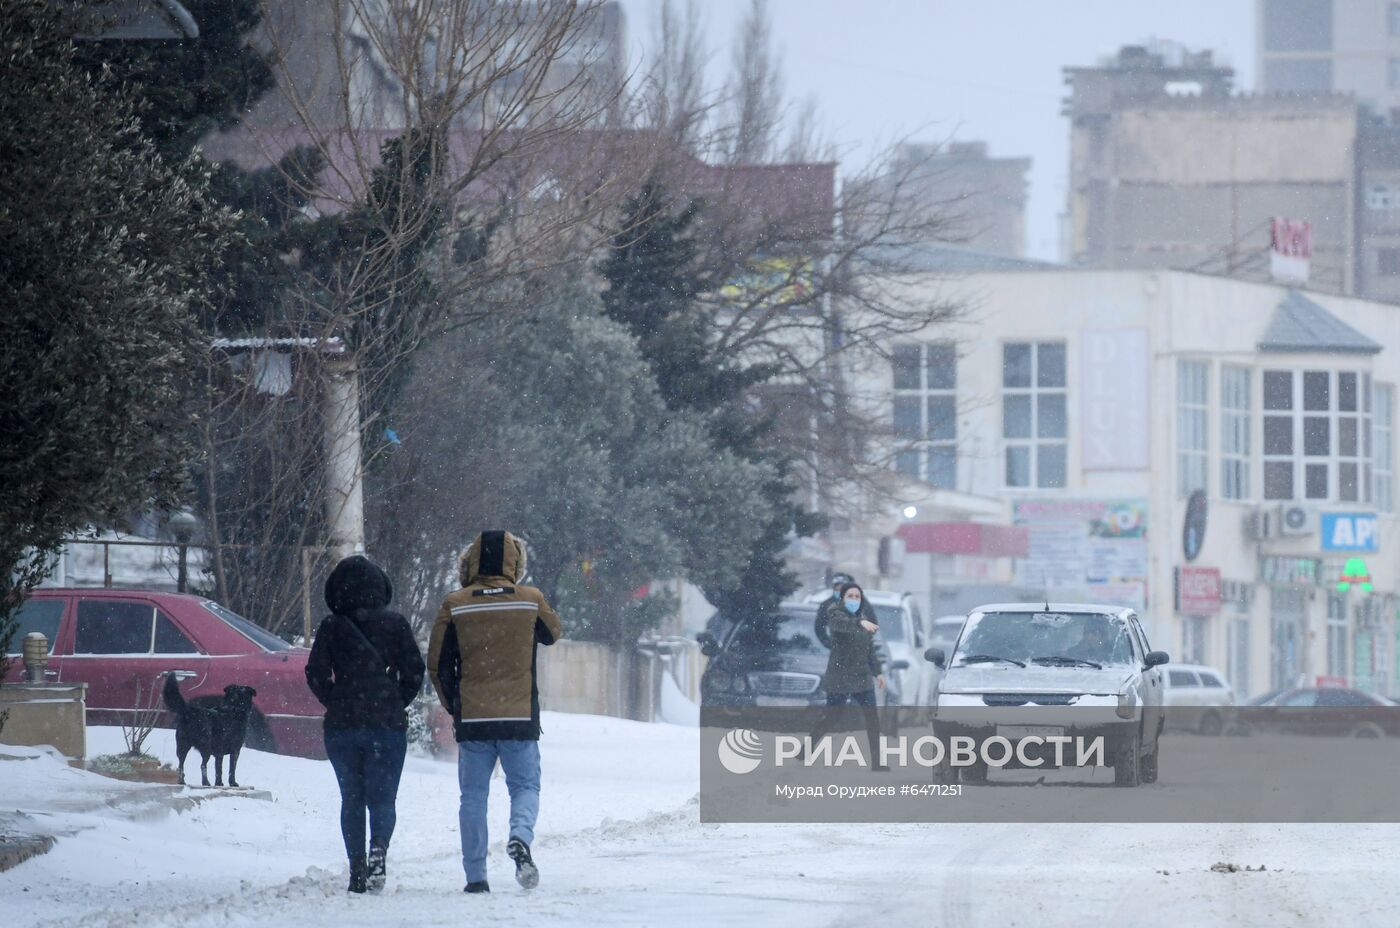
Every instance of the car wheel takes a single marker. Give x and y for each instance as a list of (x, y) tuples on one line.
[(259, 737), (1148, 769), (1127, 762), (1211, 724), (1367, 730)]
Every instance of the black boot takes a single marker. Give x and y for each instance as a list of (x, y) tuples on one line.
[(377, 870), (359, 871), (526, 873), (480, 886)]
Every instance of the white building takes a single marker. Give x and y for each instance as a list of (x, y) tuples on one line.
[(1091, 404)]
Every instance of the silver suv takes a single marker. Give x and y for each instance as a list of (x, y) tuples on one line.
[(1092, 662)]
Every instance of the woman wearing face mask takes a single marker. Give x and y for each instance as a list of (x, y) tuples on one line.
[(853, 671)]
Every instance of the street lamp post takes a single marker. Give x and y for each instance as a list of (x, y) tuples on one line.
[(182, 525)]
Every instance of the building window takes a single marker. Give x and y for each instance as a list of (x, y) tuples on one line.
[(1383, 451), (1379, 197), (1192, 416), (1297, 25), (1193, 639), (1388, 261), (925, 412), (1337, 635), (1317, 436), (1235, 442), (1034, 418)]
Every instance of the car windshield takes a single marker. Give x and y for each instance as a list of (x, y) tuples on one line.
[(259, 636), (1045, 638), (891, 621), (783, 632)]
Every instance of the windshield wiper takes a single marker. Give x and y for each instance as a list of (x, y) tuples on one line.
[(1061, 660), (990, 659)]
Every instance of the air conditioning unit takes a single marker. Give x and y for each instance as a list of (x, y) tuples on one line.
[(1262, 524), (1294, 521)]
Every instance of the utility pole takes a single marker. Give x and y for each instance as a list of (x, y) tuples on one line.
[(345, 502)]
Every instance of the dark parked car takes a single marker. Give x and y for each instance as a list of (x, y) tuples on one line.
[(1325, 712), (770, 660), (117, 641)]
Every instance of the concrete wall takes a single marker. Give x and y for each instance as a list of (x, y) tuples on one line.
[(1179, 182), (594, 679), (46, 714)]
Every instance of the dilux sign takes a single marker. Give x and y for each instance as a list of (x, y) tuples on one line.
[(1349, 531)]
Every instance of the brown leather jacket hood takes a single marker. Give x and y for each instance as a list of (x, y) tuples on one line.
[(492, 556)]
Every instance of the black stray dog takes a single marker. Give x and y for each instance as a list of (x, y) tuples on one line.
[(214, 727)]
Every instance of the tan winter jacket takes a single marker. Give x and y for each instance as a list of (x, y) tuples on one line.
[(481, 655)]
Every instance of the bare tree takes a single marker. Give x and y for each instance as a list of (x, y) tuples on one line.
[(441, 146), (137, 725), (674, 92), (755, 92)]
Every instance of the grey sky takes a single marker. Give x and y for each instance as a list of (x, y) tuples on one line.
[(983, 69)]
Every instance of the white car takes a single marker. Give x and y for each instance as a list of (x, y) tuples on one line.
[(943, 631), (1087, 669), (1198, 687)]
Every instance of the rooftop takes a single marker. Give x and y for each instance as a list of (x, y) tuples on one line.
[(1299, 324)]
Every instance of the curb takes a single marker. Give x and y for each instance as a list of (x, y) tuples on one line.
[(142, 805), (16, 849)]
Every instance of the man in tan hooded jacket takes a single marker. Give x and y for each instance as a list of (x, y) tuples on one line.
[(481, 659)]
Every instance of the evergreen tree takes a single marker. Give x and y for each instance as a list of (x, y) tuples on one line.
[(105, 262), (188, 88), (185, 90), (655, 277)]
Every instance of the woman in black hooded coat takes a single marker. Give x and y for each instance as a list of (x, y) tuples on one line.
[(365, 668)]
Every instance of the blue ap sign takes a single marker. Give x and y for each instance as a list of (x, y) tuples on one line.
[(1349, 531)]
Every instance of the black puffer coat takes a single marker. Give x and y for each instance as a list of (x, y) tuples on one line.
[(365, 666)]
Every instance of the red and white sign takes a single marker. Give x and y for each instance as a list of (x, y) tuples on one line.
[(1197, 590), (1291, 253)]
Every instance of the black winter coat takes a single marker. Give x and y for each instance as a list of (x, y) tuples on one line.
[(365, 666)]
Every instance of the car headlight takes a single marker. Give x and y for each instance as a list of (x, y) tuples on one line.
[(740, 683), (1126, 705)]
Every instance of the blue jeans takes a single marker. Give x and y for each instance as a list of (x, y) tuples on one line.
[(367, 762), (520, 761)]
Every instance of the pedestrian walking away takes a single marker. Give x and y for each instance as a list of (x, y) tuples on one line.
[(854, 668), (481, 659), (365, 668)]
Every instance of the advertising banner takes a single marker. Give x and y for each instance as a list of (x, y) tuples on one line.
[(1093, 550)]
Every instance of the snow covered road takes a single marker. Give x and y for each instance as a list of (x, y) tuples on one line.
[(620, 843)]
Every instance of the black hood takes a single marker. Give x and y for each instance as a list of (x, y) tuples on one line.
[(357, 583)]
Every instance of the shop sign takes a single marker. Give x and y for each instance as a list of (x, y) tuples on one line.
[(1349, 531), (1197, 590), (1290, 571)]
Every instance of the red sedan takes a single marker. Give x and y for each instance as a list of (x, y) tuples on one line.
[(122, 641)]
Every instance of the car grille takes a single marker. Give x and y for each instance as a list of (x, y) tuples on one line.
[(1020, 699), (784, 684)]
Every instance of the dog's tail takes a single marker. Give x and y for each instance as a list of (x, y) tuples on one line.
[(174, 699)]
